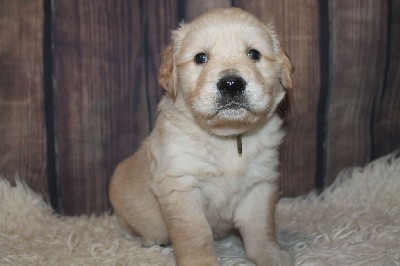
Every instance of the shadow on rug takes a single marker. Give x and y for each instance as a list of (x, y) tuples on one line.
[(356, 221)]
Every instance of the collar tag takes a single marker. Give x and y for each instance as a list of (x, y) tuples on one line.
[(239, 144)]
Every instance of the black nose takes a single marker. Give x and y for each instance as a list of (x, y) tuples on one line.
[(231, 85)]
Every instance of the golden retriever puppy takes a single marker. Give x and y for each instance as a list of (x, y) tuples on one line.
[(210, 164)]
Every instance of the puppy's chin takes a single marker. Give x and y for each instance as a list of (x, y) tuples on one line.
[(230, 121)]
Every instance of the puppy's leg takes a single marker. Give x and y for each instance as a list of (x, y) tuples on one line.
[(254, 217), (188, 227), (135, 203)]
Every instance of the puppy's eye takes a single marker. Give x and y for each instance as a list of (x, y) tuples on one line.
[(254, 54), (201, 58)]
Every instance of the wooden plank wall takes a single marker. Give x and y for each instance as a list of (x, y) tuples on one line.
[(105, 62), (358, 34), (386, 119), (22, 120), (86, 72)]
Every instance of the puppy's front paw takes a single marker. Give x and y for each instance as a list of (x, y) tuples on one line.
[(153, 240), (273, 256)]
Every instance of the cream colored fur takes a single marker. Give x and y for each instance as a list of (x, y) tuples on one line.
[(187, 183)]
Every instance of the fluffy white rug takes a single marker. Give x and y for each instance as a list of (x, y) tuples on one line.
[(356, 221)]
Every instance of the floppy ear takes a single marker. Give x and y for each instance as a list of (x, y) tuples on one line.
[(166, 72), (286, 72)]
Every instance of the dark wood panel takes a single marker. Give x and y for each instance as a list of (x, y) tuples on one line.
[(387, 122), (195, 8), (100, 96), (358, 31), (161, 18), (22, 121), (297, 24)]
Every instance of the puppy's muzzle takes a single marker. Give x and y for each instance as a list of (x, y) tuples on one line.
[(231, 89)]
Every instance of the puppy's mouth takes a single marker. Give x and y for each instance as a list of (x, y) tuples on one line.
[(233, 105), (232, 109)]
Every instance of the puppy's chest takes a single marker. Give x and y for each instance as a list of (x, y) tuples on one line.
[(221, 194), (233, 176), (215, 167)]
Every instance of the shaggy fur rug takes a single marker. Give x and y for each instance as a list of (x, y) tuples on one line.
[(356, 221)]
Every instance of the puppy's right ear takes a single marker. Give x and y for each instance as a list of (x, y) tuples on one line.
[(166, 72), (286, 71)]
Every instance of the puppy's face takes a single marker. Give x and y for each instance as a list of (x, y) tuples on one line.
[(227, 69)]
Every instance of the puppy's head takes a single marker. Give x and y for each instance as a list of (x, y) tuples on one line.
[(227, 69)]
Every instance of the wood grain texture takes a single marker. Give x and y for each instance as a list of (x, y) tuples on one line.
[(193, 9), (357, 63), (100, 96), (22, 121), (297, 25), (387, 121), (161, 17)]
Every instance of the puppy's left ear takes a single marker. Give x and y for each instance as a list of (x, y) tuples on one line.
[(166, 72), (286, 71)]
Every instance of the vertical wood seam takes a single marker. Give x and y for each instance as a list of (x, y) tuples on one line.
[(180, 12), (377, 104), (49, 104), (323, 95)]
